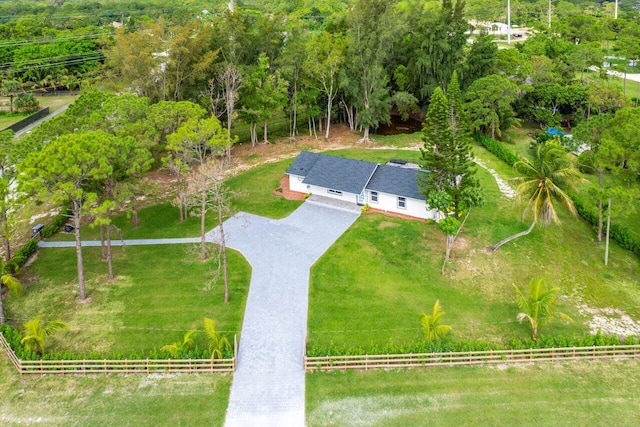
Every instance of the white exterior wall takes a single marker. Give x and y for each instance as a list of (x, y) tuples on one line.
[(322, 191), (295, 184), (389, 202)]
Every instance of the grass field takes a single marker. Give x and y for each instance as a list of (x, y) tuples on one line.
[(158, 296), (574, 394), (114, 400), (252, 194), (373, 284)]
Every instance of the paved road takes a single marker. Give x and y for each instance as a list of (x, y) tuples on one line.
[(268, 386), (37, 122)]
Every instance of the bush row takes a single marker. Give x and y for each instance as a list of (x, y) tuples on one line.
[(621, 234), (13, 337), (498, 149), (450, 346), (23, 253)]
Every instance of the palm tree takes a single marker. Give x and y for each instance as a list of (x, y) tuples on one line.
[(542, 182), (538, 308), (11, 283), (36, 333), (431, 326), (177, 348), (217, 343)]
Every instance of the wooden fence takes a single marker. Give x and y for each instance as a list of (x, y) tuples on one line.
[(468, 358), (141, 366)]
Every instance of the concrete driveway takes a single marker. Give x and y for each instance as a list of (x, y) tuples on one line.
[(268, 386)]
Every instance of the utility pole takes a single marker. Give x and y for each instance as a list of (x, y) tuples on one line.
[(615, 13), (508, 21)]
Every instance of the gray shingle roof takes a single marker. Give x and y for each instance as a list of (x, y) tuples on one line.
[(303, 163), (340, 174), (352, 176), (397, 181)]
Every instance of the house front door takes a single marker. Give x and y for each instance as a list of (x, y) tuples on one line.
[(361, 198)]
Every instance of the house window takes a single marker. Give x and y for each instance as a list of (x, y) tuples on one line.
[(336, 192), (374, 197), (402, 203)]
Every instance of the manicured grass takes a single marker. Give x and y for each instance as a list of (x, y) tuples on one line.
[(158, 296), (586, 393), (254, 190), (116, 400), (372, 285), (252, 193), (402, 140), (8, 119), (55, 102)]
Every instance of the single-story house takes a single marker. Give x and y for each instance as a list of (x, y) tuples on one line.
[(390, 187)]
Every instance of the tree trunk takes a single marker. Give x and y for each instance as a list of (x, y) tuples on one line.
[(600, 215), (264, 136), (365, 136), (103, 248), (510, 238), (76, 222), (534, 333), (309, 124), (329, 105), (2, 319), (134, 212), (223, 253), (109, 254), (203, 216), (447, 253), (294, 124), (254, 134), (6, 244), (606, 244)]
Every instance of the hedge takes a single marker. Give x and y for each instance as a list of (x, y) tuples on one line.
[(23, 253), (449, 346), (498, 149), (13, 337), (621, 234)]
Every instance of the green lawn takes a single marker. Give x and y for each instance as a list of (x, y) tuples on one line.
[(252, 194), (8, 119), (114, 400), (402, 140), (546, 394), (158, 296), (373, 284)]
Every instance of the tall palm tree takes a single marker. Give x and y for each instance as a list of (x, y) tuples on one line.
[(432, 324), (36, 333), (538, 308), (542, 182), (10, 282)]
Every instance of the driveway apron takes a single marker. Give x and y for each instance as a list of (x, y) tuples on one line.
[(268, 386)]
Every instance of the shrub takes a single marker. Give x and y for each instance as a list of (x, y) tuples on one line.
[(585, 162), (57, 222), (365, 209), (26, 102), (498, 149)]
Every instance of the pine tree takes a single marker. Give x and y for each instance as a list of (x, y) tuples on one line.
[(449, 184)]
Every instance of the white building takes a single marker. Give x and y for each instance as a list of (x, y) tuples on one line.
[(383, 187)]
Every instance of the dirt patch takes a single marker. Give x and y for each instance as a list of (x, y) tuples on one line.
[(285, 191), (610, 321)]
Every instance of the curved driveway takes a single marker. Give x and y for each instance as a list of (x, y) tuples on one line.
[(268, 385)]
